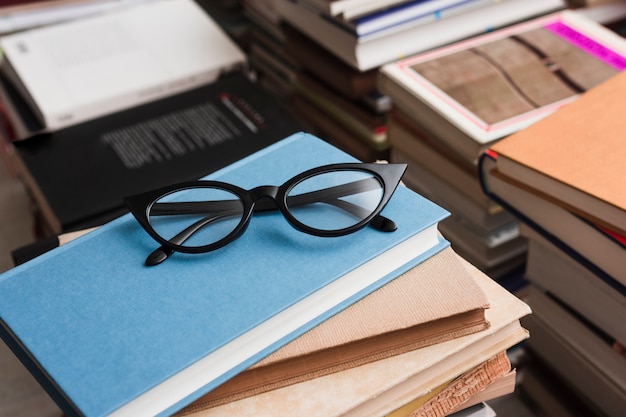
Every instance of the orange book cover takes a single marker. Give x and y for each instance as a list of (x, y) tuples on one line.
[(575, 157)]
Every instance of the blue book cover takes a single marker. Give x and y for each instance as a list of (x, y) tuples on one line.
[(106, 335)]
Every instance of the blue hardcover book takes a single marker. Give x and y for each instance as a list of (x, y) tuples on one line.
[(106, 335)]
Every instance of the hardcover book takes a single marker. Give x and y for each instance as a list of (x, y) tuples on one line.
[(381, 387), (577, 353), (472, 93), (596, 250), (82, 69), (406, 314), (110, 336), (79, 175), (575, 157)]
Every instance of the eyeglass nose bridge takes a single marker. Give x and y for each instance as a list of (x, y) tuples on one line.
[(264, 197)]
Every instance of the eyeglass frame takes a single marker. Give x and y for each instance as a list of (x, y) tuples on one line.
[(265, 198)]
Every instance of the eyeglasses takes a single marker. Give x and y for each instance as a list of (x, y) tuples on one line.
[(328, 201)]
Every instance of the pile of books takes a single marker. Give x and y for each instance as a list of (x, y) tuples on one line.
[(324, 56), (278, 322), (367, 34), (453, 102), (334, 100), (339, 67), (564, 178)]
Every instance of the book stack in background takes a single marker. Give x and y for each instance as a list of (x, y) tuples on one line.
[(346, 372), (410, 329), (323, 56), (451, 103), (335, 100), (564, 178)]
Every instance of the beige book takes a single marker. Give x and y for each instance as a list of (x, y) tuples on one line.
[(435, 301), (575, 156), (379, 387)]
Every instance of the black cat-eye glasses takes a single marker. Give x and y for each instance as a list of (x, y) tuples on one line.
[(329, 201)]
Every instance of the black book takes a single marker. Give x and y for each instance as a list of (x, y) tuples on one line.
[(79, 175)]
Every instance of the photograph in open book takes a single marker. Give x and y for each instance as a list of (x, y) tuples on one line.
[(510, 76), (490, 86)]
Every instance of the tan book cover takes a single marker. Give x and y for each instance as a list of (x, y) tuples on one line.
[(379, 387), (436, 301), (575, 157)]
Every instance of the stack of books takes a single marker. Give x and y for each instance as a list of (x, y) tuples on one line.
[(278, 322), (367, 34), (563, 177), (324, 56), (335, 100), (452, 103)]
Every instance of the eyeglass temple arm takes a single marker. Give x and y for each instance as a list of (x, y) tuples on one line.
[(332, 195), (162, 253)]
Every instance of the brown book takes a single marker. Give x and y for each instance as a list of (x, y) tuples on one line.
[(382, 386), (365, 124), (435, 301), (575, 157)]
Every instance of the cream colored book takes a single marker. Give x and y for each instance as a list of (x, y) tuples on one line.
[(382, 386)]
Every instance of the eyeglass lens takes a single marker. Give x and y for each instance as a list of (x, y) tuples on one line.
[(341, 199)]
